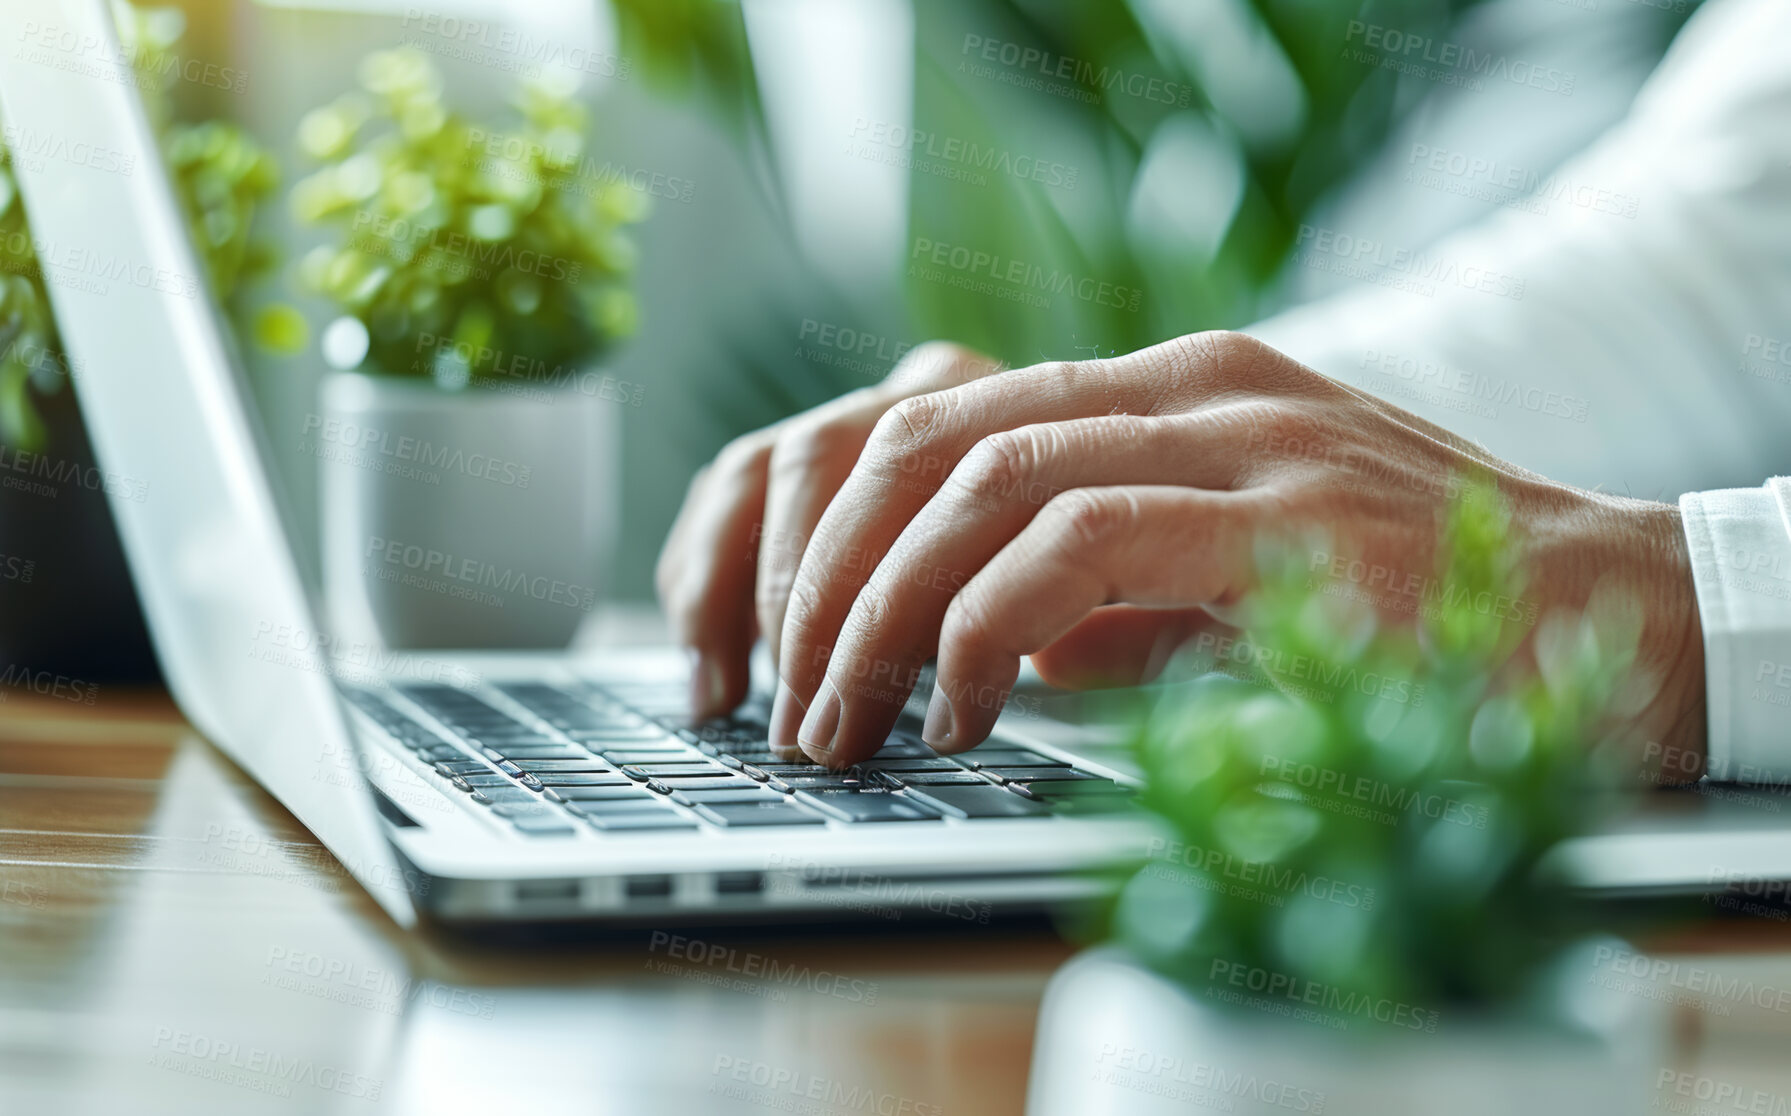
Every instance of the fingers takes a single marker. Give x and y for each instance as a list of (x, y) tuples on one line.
[(1120, 645), (912, 449), (704, 584), (893, 624), (729, 557), (815, 452), (809, 461), (1156, 547)]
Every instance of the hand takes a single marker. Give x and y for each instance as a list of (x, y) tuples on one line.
[(725, 572), (1066, 511)]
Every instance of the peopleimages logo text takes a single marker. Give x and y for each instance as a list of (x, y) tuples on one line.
[(1393, 45), (429, 562), (1108, 79), (974, 262), (371, 439)]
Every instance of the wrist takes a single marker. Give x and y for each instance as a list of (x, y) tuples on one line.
[(1639, 548), (1670, 727)]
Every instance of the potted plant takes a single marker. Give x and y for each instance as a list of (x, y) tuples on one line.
[(74, 612), (1348, 907), (467, 438)]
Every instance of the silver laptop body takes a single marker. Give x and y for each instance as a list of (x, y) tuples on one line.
[(236, 632)]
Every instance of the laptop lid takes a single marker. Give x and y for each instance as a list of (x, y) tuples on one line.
[(233, 624)]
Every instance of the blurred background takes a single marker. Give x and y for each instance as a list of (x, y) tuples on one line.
[(825, 184)]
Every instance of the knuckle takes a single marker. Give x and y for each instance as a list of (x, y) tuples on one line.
[(998, 466), (806, 444), (742, 455), (1199, 365), (911, 425), (938, 362), (1085, 519)]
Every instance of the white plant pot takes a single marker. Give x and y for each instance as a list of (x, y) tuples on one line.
[(479, 518), (1116, 1038)]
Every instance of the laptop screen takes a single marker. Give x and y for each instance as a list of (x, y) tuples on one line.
[(234, 627)]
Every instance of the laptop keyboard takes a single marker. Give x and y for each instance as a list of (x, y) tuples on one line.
[(553, 760)]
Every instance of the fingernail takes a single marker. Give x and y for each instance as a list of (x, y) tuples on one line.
[(699, 696), (823, 720), (935, 732), (786, 716)]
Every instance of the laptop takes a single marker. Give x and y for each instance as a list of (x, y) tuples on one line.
[(474, 788), (502, 787)]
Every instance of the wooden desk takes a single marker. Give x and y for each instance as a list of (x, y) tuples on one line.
[(159, 906), (172, 941)]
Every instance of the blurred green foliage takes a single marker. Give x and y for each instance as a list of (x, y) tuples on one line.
[(221, 176), (1360, 806), (1196, 136), (466, 251)]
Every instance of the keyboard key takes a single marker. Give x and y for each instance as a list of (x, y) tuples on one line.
[(721, 781), (503, 740), (461, 767), (698, 770), (871, 806), (879, 762), (600, 794), (745, 792), (823, 782), (539, 752), (1091, 796), (636, 805), (958, 778), (491, 779), (545, 827), (898, 748), (513, 811), (584, 779), (1028, 774), (777, 811), (986, 801), (511, 794), (560, 766), (680, 755), (1083, 786), (1009, 757), (643, 820), (642, 735)]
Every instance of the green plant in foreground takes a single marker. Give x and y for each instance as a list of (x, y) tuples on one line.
[(1355, 824), (221, 176), (466, 251)]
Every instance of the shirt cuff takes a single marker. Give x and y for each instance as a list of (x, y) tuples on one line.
[(1740, 541)]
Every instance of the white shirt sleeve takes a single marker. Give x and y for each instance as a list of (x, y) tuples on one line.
[(1630, 330), (1741, 562)]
